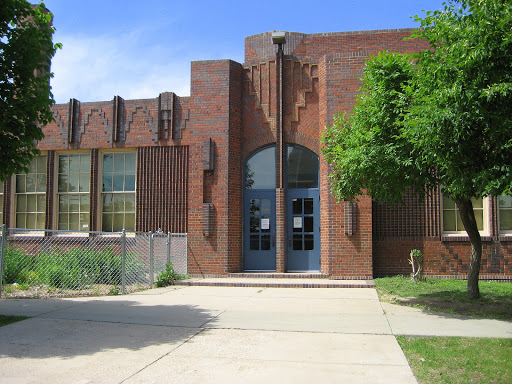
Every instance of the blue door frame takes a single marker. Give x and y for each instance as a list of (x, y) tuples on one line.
[(260, 230), (303, 230)]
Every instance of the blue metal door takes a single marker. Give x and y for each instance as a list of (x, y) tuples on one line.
[(260, 230), (303, 230)]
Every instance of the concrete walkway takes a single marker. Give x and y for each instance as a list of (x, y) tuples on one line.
[(220, 335)]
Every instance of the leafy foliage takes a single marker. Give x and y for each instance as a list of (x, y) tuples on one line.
[(169, 276), (26, 49), (443, 121)]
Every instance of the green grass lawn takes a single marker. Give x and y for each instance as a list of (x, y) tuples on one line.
[(446, 295), (454, 359), (458, 359), (5, 320)]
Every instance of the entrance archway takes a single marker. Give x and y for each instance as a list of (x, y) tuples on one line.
[(302, 216)]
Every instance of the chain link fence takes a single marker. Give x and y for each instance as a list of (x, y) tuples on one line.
[(49, 263)]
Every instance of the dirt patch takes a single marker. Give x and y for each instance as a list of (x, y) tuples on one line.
[(47, 292)]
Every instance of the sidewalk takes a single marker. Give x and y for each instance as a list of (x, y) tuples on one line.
[(220, 335)]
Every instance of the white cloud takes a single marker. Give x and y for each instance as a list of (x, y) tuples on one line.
[(95, 68)]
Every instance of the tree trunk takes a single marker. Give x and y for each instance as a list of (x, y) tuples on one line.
[(467, 215)]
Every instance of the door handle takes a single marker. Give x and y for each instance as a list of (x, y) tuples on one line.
[(273, 241)]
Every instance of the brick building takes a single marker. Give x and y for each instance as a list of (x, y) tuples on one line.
[(237, 165)]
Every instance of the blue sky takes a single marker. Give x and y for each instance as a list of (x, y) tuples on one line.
[(137, 49)]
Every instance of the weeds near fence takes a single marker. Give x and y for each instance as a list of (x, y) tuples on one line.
[(169, 276), (72, 269)]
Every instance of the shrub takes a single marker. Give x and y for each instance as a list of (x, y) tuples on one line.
[(169, 276)]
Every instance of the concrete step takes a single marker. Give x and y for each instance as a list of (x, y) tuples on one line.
[(276, 282)]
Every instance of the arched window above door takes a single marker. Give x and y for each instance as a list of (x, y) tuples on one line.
[(260, 169), (302, 167)]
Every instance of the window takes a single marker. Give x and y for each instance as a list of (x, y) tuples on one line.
[(1, 202), (118, 192), (302, 167), (30, 195), (452, 222), (73, 192), (505, 213), (260, 169)]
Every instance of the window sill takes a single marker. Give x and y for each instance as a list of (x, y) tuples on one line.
[(462, 238), (505, 237)]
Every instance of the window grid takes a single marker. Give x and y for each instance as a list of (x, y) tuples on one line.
[(505, 213), (73, 192), (452, 222), (30, 195), (118, 191)]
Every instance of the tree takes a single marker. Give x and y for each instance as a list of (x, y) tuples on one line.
[(445, 122), (26, 49)]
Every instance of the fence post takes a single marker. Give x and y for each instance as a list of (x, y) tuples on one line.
[(151, 265), (2, 248), (168, 247), (123, 262)]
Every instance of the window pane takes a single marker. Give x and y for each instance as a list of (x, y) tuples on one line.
[(309, 242), (477, 203), (32, 203), (21, 184), (505, 202), (108, 203), (302, 168), (260, 170), (129, 224), (107, 182), (74, 201), (41, 202), (118, 222), (449, 223), (308, 224), (40, 221), (74, 163), (254, 224), (479, 217), (31, 221), (119, 162), (448, 203), (63, 203), (41, 164), (63, 221), (265, 207), (255, 207), (74, 221), (129, 203), (31, 182), (297, 206), (265, 242), (85, 163), (254, 242), (63, 183), (63, 164), (308, 206), (21, 203), (20, 221), (118, 182), (297, 242), (118, 202), (41, 182), (130, 159), (83, 183), (84, 222), (107, 222), (506, 220), (108, 162), (84, 203), (129, 182), (73, 182)]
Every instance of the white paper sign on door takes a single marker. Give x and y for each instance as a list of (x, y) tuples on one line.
[(297, 222), (265, 223)]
